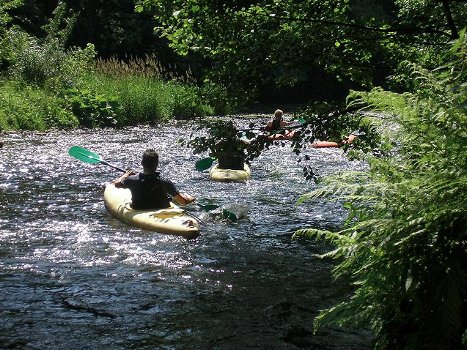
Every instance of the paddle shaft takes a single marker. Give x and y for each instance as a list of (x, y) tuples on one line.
[(87, 156), (112, 166)]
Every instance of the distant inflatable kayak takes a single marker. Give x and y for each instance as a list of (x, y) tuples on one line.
[(173, 220), (230, 174), (325, 144)]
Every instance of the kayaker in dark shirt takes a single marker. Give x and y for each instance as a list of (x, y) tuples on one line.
[(148, 189), (229, 149), (229, 160)]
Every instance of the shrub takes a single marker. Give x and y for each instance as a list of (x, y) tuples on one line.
[(12, 44), (90, 108), (187, 102), (47, 64), (29, 108), (217, 96)]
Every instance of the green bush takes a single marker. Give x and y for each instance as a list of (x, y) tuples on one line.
[(47, 64), (28, 108), (12, 44), (187, 102), (217, 96), (72, 92), (90, 108)]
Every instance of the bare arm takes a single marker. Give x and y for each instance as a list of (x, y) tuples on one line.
[(184, 198), (349, 139), (118, 181)]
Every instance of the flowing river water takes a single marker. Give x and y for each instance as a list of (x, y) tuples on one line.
[(73, 277)]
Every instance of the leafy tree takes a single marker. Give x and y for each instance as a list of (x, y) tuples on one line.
[(253, 44), (32, 15), (404, 243), (113, 27), (5, 8)]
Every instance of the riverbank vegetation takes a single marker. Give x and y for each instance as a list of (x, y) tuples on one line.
[(394, 70), (47, 86), (404, 243)]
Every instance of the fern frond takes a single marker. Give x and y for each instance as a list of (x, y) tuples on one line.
[(331, 237)]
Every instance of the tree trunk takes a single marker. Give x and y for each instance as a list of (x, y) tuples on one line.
[(450, 20)]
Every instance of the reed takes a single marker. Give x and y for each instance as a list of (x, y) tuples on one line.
[(143, 95), (49, 87), (149, 67)]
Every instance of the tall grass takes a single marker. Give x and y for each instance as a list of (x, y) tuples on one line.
[(149, 67), (146, 92)]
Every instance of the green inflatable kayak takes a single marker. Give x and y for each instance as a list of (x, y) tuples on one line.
[(230, 174), (173, 220)]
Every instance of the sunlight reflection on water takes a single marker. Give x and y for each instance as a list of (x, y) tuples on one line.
[(80, 278)]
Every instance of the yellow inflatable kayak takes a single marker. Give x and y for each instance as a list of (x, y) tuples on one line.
[(230, 174), (173, 220)]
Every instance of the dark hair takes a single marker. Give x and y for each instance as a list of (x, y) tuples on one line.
[(150, 159)]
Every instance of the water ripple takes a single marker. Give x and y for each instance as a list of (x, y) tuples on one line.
[(74, 277)]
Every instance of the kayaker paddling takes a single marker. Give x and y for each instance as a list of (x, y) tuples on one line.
[(276, 123), (229, 149), (118, 201), (148, 189)]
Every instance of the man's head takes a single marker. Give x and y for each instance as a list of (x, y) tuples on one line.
[(150, 159)]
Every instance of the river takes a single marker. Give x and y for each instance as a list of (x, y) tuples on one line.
[(73, 277)]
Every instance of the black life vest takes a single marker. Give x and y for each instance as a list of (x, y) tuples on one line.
[(150, 193)]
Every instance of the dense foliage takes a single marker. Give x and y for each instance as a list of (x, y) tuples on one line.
[(314, 44), (31, 108), (47, 85), (111, 25), (404, 244), (49, 82), (220, 137)]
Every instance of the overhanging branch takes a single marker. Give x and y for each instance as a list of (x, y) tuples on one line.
[(394, 30)]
